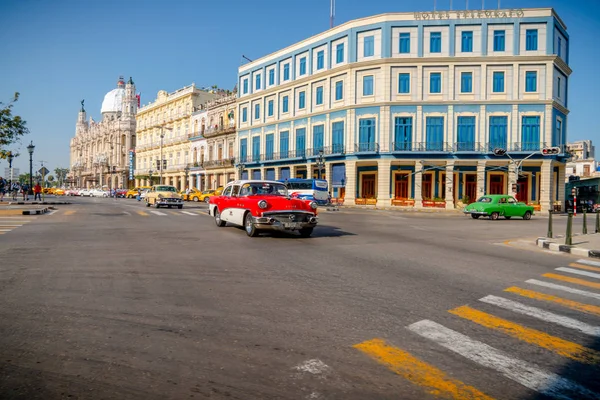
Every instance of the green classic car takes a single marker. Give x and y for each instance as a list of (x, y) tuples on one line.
[(496, 205)]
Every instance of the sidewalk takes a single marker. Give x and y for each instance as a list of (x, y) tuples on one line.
[(583, 245), (9, 210)]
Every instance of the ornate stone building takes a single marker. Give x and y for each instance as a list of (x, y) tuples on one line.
[(100, 151)]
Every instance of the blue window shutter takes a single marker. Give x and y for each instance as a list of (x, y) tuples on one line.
[(319, 96), (404, 43), (530, 81), (243, 149), (337, 137), (270, 108), (269, 146), (318, 132), (256, 148), (404, 83), (320, 59), (257, 111), (286, 72), (271, 77), (559, 47), (339, 90), (466, 82), (257, 82), (435, 42), (402, 134), (285, 104), (531, 39), (498, 82), (270, 174), (530, 133), (368, 85), (285, 173), (301, 100), (499, 40), (467, 42), (435, 82), (245, 85), (244, 114), (366, 134), (338, 175), (498, 132), (368, 46), (256, 174), (303, 66), (339, 53), (434, 133), (465, 135), (284, 144), (300, 142)]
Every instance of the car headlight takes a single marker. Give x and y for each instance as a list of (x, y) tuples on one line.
[(313, 205), (263, 204)]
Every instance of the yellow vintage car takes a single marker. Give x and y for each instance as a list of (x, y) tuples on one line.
[(131, 193), (194, 195), (164, 195), (48, 190), (58, 192), (206, 195)]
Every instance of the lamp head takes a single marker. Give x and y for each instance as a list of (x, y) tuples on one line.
[(31, 147)]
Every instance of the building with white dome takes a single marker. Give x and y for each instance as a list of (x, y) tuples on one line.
[(102, 153)]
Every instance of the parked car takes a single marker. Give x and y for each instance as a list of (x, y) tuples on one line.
[(98, 193), (498, 205), (263, 206), (121, 192), (85, 192), (58, 192), (194, 195), (131, 193), (163, 195)]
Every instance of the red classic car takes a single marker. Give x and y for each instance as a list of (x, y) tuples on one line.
[(261, 206)]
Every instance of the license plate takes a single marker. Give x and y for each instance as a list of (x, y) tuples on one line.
[(290, 224)]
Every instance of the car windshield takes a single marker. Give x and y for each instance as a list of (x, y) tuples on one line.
[(263, 188), (484, 200), (165, 189), (207, 191)]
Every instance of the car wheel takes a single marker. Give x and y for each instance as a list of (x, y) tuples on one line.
[(306, 232), (147, 203), (474, 216), (156, 205), (206, 200), (507, 217), (180, 207), (218, 221), (169, 206), (527, 215), (129, 196), (249, 225), (196, 199), (494, 216)]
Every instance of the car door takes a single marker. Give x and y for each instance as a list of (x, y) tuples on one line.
[(237, 206), (224, 204), (513, 209)]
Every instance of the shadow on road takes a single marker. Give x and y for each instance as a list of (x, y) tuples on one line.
[(320, 231)]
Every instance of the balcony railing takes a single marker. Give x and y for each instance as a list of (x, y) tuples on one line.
[(368, 147), (227, 162), (219, 130), (527, 147)]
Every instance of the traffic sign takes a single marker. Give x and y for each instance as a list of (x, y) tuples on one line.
[(43, 171)]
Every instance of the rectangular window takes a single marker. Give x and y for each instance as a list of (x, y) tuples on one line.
[(403, 83), (318, 132), (301, 100), (286, 72), (257, 82), (531, 81), (434, 133), (558, 134), (320, 59), (284, 144), (302, 66), (559, 47), (339, 53), (368, 46), (498, 133), (339, 90), (285, 105), (256, 148), (499, 40), (368, 85), (530, 133), (435, 42), (366, 135), (243, 149), (435, 82), (402, 134), (337, 137), (269, 142), (257, 111), (404, 43), (466, 82), (498, 82), (245, 86), (300, 142), (271, 77), (270, 108), (531, 39), (465, 134), (466, 45), (244, 114), (319, 96), (558, 87)]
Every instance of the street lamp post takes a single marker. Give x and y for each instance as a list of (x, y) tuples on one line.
[(10, 158), (320, 163), (240, 168), (30, 149), (150, 176)]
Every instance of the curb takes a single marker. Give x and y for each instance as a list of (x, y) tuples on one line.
[(563, 248), (23, 203), (35, 212)]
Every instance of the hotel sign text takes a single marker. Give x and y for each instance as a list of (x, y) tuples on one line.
[(470, 14)]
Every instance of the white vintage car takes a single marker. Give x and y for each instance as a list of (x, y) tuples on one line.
[(98, 193), (164, 195)]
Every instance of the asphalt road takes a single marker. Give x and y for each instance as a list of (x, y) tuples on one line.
[(107, 299)]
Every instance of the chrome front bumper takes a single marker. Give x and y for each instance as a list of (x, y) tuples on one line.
[(279, 224), (169, 202)]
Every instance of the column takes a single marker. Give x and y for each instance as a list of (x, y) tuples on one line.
[(383, 183), (175, 181), (199, 182), (262, 173), (418, 183), (277, 173), (449, 185), (137, 182), (182, 182), (350, 183), (512, 178), (329, 175), (480, 178), (309, 171), (546, 183)]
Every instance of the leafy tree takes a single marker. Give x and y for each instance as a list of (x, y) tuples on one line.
[(24, 178), (11, 127), (61, 174)]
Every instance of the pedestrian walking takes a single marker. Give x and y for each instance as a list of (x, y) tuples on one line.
[(25, 191), (15, 188), (139, 195), (3, 184), (37, 192)]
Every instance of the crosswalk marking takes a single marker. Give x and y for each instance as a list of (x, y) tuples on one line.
[(581, 266), (589, 262), (433, 380), (542, 315), (578, 272), (587, 308), (527, 374), (189, 213), (555, 344), (158, 213), (8, 224), (577, 281), (564, 288)]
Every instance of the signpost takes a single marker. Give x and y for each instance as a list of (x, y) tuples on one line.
[(43, 172)]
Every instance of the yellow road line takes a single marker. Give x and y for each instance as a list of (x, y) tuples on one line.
[(581, 266), (70, 212), (142, 213), (554, 299), (433, 380), (577, 281), (555, 344)]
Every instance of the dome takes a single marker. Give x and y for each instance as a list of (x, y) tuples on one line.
[(113, 101)]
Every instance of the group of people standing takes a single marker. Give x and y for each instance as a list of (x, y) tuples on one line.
[(13, 189)]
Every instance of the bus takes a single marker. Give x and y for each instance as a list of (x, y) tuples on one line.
[(308, 189)]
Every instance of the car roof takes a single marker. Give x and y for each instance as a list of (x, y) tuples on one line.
[(244, 181)]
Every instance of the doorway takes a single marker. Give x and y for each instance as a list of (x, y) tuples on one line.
[(470, 188), (427, 187), (368, 186), (401, 186), (496, 184), (522, 188)]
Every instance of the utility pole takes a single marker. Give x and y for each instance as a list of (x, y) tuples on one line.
[(331, 13), (43, 179)]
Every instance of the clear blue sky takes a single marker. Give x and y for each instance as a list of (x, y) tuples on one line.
[(57, 52)]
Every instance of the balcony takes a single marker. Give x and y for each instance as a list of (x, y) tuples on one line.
[(227, 162), (527, 147), (219, 130), (367, 147)]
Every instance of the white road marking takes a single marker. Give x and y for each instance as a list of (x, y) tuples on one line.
[(52, 212), (6, 230), (527, 374), (313, 366), (564, 288), (579, 272), (542, 314), (158, 213), (126, 213), (189, 213), (589, 262)]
